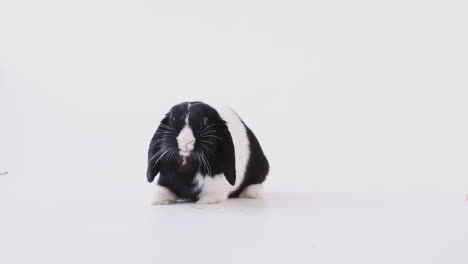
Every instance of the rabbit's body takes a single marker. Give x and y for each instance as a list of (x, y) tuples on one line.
[(205, 154)]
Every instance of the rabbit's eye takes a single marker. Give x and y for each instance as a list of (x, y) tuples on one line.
[(205, 121)]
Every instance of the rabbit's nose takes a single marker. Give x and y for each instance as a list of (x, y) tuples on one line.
[(186, 140)]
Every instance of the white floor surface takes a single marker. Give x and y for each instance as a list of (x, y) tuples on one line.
[(283, 227)]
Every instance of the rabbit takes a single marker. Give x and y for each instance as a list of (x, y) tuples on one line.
[(205, 154)]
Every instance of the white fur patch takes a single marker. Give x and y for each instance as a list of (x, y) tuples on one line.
[(186, 141), (214, 189), (198, 182)]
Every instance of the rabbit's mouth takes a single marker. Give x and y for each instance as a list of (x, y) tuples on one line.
[(184, 153)]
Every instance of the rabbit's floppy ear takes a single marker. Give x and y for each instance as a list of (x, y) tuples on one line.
[(154, 150), (228, 156)]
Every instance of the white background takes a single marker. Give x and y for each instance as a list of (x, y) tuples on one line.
[(363, 100)]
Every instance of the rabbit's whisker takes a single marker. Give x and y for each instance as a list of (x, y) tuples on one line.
[(214, 137), (168, 127), (206, 128)]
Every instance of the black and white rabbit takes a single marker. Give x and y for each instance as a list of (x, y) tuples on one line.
[(205, 154)]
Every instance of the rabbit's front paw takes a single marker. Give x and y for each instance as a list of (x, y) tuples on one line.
[(163, 195), (252, 191), (212, 198)]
